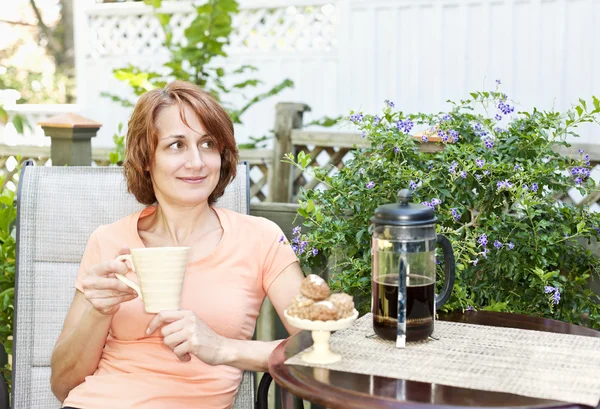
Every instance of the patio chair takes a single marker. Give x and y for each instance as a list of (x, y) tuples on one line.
[(58, 208)]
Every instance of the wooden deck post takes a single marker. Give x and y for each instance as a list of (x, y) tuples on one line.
[(71, 137), (288, 116)]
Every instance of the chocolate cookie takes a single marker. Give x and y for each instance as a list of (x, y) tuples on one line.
[(343, 303), (301, 307), (314, 287), (323, 311)]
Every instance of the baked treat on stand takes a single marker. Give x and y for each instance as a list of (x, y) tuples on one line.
[(316, 310)]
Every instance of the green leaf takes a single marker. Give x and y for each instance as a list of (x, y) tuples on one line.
[(583, 104), (3, 116), (326, 121), (596, 103), (245, 68), (154, 3), (114, 158), (18, 123)]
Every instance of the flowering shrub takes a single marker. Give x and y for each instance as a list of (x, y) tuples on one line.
[(494, 188)]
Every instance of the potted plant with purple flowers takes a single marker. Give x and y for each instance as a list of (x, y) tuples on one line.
[(495, 189)]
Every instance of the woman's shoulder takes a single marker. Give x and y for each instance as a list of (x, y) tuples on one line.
[(247, 223), (117, 228)]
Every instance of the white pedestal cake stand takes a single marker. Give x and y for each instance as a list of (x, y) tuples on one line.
[(321, 331)]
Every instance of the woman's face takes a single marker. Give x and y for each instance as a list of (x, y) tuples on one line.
[(187, 164)]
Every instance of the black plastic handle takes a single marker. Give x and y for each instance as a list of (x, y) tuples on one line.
[(449, 271)]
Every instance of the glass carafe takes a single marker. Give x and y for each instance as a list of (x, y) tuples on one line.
[(404, 263)]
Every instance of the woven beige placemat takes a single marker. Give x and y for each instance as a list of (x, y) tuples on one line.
[(530, 363)]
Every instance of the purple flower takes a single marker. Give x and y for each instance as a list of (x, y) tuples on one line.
[(483, 240), (498, 82), (486, 172), (314, 252), (534, 187), (412, 185), (296, 230), (396, 149), (475, 261), (370, 185), (580, 151), (488, 143), (361, 171), (463, 174), (424, 138), (452, 168), (455, 214), (364, 134), (485, 252), (525, 187), (430, 205), (480, 162), (478, 176), (578, 180), (281, 239), (556, 297), (376, 120), (389, 103), (548, 289), (436, 201), (511, 245), (453, 136), (505, 108), (469, 308), (356, 117), (478, 127), (497, 244), (517, 167), (295, 248), (447, 117), (503, 184), (498, 117)]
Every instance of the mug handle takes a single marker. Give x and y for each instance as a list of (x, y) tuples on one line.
[(449, 271), (125, 280)]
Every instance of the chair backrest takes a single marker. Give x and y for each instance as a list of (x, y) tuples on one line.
[(58, 208)]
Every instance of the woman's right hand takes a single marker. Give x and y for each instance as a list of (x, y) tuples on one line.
[(104, 290)]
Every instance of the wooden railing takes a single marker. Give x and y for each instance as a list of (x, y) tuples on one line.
[(272, 180)]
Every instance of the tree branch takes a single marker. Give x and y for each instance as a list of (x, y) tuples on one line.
[(17, 23), (45, 29)]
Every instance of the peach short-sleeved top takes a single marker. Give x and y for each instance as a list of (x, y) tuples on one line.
[(225, 289)]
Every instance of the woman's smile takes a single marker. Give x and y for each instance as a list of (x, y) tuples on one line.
[(194, 180)]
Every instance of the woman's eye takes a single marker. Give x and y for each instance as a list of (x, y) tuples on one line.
[(176, 145), (207, 145)]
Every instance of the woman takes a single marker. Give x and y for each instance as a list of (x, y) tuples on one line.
[(181, 154)]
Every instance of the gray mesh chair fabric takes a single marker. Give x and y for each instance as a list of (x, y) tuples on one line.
[(58, 208)]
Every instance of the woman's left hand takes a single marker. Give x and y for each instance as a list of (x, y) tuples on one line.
[(184, 333)]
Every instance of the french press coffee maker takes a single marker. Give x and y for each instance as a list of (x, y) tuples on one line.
[(404, 270)]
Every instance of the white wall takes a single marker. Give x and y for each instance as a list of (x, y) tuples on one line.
[(353, 54)]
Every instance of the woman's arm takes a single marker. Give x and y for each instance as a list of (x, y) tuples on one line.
[(81, 341), (79, 347), (186, 334)]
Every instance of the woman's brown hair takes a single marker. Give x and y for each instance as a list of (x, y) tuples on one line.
[(142, 136)]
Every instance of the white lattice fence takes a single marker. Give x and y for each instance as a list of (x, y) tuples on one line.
[(132, 28), (284, 39)]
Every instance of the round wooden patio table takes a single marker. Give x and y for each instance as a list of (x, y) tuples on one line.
[(343, 390)]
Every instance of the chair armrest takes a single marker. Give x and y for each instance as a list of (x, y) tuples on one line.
[(3, 394), (262, 395)]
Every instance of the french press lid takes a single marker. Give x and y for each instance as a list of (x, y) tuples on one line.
[(404, 213)]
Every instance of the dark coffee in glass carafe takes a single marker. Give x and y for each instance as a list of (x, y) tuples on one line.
[(403, 252)]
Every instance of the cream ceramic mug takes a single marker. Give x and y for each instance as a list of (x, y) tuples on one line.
[(160, 272)]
